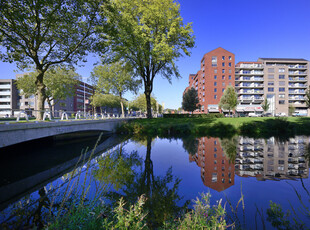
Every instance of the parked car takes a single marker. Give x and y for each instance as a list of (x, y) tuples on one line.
[(280, 115), (267, 115), (299, 114), (253, 115)]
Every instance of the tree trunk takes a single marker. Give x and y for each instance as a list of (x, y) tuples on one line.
[(51, 107), (148, 103), (122, 105), (40, 94)]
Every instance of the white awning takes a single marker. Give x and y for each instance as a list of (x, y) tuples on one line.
[(226, 110), (259, 110), (240, 110), (249, 109), (213, 110)]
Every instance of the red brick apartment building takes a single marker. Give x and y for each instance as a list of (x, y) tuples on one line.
[(216, 73), (216, 170)]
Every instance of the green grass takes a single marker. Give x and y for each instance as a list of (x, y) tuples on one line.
[(219, 127)]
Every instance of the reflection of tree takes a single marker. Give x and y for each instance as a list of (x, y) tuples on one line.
[(29, 213), (160, 191), (229, 146), (190, 144), (116, 168)]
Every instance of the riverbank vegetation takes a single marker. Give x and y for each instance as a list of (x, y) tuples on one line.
[(259, 127)]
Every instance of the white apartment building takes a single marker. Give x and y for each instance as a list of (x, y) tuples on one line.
[(283, 81), (8, 97)]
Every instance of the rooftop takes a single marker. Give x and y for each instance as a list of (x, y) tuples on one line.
[(282, 59)]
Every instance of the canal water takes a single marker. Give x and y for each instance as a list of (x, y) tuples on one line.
[(246, 174)]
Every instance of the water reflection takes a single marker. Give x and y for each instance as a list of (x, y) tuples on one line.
[(217, 172), (265, 159), (272, 160), (161, 192)]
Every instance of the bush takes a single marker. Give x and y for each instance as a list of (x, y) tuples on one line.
[(200, 115)]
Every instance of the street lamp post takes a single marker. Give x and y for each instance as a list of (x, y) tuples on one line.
[(84, 102)]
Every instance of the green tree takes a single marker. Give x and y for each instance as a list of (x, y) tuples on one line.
[(307, 97), (46, 33), (291, 109), (139, 103), (108, 100), (115, 78), (150, 36), (59, 82), (190, 100), (265, 105), (229, 99)]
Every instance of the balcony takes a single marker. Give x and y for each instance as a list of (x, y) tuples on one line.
[(297, 85), (297, 72), (5, 99), (5, 93), (297, 66), (246, 99), (250, 66), (300, 79), (296, 92), (5, 106), (297, 98), (6, 86), (246, 72), (258, 99)]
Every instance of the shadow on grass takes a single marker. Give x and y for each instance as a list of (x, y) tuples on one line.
[(278, 127)]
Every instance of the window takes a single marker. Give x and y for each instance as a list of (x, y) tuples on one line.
[(215, 142), (229, 77), (229, 83), (229, 57), (223, 77), (223, 84), (214, 177), (229, 64), (215, 96), (223, 90), (281, 76), (203, 100), (270, 76), (270, 83), (223, 58), (214, 61), (270, 70), (281, 102), (229, 71), (215, 149), (270, 89), (215, 155), (223, 63), (281, 96), (215, 161), (281, 70), (215, 77), (215, 70), (215, 83), (223, 70), (282, 83), (215, 90), (282, 89)]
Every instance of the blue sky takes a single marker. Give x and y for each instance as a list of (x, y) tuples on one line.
[(249, 29)]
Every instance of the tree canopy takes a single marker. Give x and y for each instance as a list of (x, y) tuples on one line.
[(265, 105), (108, 100), (59, 82), (42, 33), (139, 103), (190, 100), (150, 35), (229, 99), (115, 78)]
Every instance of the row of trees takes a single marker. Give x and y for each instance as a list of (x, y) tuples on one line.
[(145, 36), (228, 101)]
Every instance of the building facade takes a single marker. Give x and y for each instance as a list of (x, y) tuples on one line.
[(216, 73), (282, 81), (8, 97)]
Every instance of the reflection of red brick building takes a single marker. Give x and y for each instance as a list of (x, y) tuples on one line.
[(216, 73), (216, 171)]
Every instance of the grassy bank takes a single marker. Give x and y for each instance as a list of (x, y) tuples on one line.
[(219, 127)]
